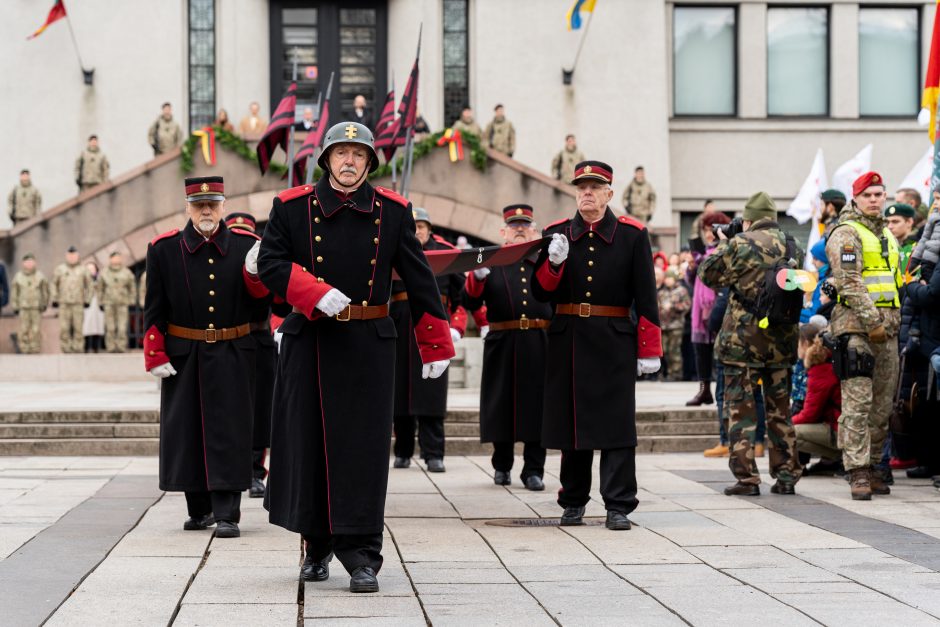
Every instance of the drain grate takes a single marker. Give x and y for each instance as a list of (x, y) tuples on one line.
[(537, 522)]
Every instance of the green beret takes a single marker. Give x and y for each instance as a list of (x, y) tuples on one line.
[(832, 194), (900, 209)]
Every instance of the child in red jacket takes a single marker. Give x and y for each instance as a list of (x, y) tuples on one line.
[(817, 424)]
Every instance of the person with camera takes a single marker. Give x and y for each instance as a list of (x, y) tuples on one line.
[(866, 273), (757, 342)]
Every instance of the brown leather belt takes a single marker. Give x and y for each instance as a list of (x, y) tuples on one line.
[(209, 336), (358, 312), (400, 296), (523, 324), (586, 310)]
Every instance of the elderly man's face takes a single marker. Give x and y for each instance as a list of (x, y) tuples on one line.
[(518, 232), (900, 227), (205, 214), (359, 102), (871, 201), (348, 163), (308, 114), (592, 198), (423, 231)]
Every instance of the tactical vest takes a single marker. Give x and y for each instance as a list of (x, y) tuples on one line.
[(881, 272)]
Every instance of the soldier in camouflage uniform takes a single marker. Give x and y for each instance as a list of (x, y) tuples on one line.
[(639, 199), (164, 134), (466, 124), (30, 297), (71, 293), (24, 200), (91, 167), (752, 355), (500, 134), (674, 304), (565, 161), (117, 291), (865, 261)]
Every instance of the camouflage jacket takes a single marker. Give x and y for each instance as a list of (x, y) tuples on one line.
[(639, 200), (116, 286), (500, 135), (30, 291), (741, 264), (24, 202), (674, 304), (71, 285), (464, 128), (92, 168), (855, 312), (564, 162), (164, 135)]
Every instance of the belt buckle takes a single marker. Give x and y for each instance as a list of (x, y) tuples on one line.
[(524, 324), (348, 311), (212, 336), (584, 310)]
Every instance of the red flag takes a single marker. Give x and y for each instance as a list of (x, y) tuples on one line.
[(408, 108), (279, 128), (386, 128), (310, 144), (56, 13)]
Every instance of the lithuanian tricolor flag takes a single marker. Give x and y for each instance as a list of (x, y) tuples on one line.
[(932, 82), (56, 13)]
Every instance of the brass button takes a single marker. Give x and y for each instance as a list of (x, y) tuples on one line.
[(211, 292), (372, 262), (319, 259), (375, 240), (523, 279), (590, 263), (315, 202), (212, 277), (211, 308), (591, 234), (378, 204), (523, 315), (525, 303), (377, 222), (434, 346), (303, 268), (211, 260), (318, 238), (364, 303), (371, 282), (319, 279), (590, 278), (587, 294), (430, 327), (642, 328), (522, 269), (152, 353), (152, 337), (591, 248), (316, 219), (644, 343), (211, 326), (525, 291)]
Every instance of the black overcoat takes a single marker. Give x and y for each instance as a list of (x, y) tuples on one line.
[(332, 419), (590, 396), (265, 371)]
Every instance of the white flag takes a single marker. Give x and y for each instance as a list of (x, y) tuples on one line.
[(919, 177), (807, 205), (852, 169)]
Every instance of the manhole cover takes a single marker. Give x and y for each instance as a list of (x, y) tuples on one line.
[(536, 522)]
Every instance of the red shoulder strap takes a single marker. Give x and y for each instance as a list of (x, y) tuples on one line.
[(632, 222), (441, 240), (391, 195), (245, 233), (164, 236), (295, 192)]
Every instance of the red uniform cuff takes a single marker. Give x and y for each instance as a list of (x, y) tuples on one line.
[(304, 291), (154, 349), (433, 337), (474, 286), (649, 339), (479, 316), (548, 277), (256, 289), (458, 320)]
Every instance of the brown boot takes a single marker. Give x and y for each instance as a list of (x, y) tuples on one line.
[(704, 395), (860, 483), (878, 485)]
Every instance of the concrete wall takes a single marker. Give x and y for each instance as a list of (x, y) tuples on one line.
[(243, 67)]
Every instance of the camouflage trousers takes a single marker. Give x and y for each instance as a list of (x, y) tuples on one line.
[(29, 338), (71, 339), (867, 403), (672, 351), (115, 328), (741, 409)]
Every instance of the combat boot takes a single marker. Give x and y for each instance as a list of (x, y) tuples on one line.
[(878, 483), (704, 395), (860, 483)]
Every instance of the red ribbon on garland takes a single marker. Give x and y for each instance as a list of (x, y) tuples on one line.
[(206, 137), (451, 137)]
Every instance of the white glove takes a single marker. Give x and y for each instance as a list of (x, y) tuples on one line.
[(481, 273), (277, 339), (647, 365), (434, 369), (251, 259), (333, 302), (558, 249), (454, 335), (483, 331), (163, 371)]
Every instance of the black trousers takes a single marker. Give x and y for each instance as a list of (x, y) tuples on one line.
[(704, 357), (618, 479), (222, 504), (430, 436), (533, 458), (258, 471), (352, 550)]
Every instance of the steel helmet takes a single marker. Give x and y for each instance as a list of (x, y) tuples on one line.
[(348, 133)]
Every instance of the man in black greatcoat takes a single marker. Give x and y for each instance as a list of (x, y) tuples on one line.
[(329, 250), (597, 272), (513, 355), (202, 287)]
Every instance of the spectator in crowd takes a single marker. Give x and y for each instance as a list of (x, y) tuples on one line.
[(466, 124), (422, 130), (4, 286), (253, 125), (688, 349), (833, 201), (91, 167), (674, 261), (24, 201), (900, 219), (817, 423), (306, 123), (910, 196), (707, 208), (818, 253), (222, 120), (674, 303), (164, 134), (500, 134), (567, 158), (93, 323), (361, 113), (660, 260), (639, 198)]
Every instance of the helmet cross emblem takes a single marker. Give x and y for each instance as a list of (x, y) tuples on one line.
[(351, 131)]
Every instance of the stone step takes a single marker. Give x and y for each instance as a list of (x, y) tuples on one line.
[(60, 417), (79, 430), (78, 447), (678, 427), (676, 443)]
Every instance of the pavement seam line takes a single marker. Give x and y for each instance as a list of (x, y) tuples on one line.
[(506, 488), (414, 588), (192, 579)]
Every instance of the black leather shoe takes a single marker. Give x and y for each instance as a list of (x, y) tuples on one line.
[(227, 529), (572, 517), (742, 489), (402, 462), (936, 481), (618, 521), (919, 472), (198, 523), (435, 464), (363, 580), (256, 491), (313, 570), (781, 487), (534, 483), (501, 477)]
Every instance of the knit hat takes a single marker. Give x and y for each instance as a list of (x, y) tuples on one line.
[(760, 206), (818, 251)]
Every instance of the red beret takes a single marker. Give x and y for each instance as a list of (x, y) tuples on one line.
[(865, 181)]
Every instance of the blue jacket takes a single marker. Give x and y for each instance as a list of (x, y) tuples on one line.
[(4, 287), (926, 299)]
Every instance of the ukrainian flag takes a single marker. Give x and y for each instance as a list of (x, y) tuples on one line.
[(574, 13)]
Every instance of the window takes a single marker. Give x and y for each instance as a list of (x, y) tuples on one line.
[(201, 63), (889, 61), (357, 48), (797, 61), (456, 73), (704, 61), (299, 30)]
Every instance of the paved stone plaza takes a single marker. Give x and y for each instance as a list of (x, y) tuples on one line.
[(91, 541)]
